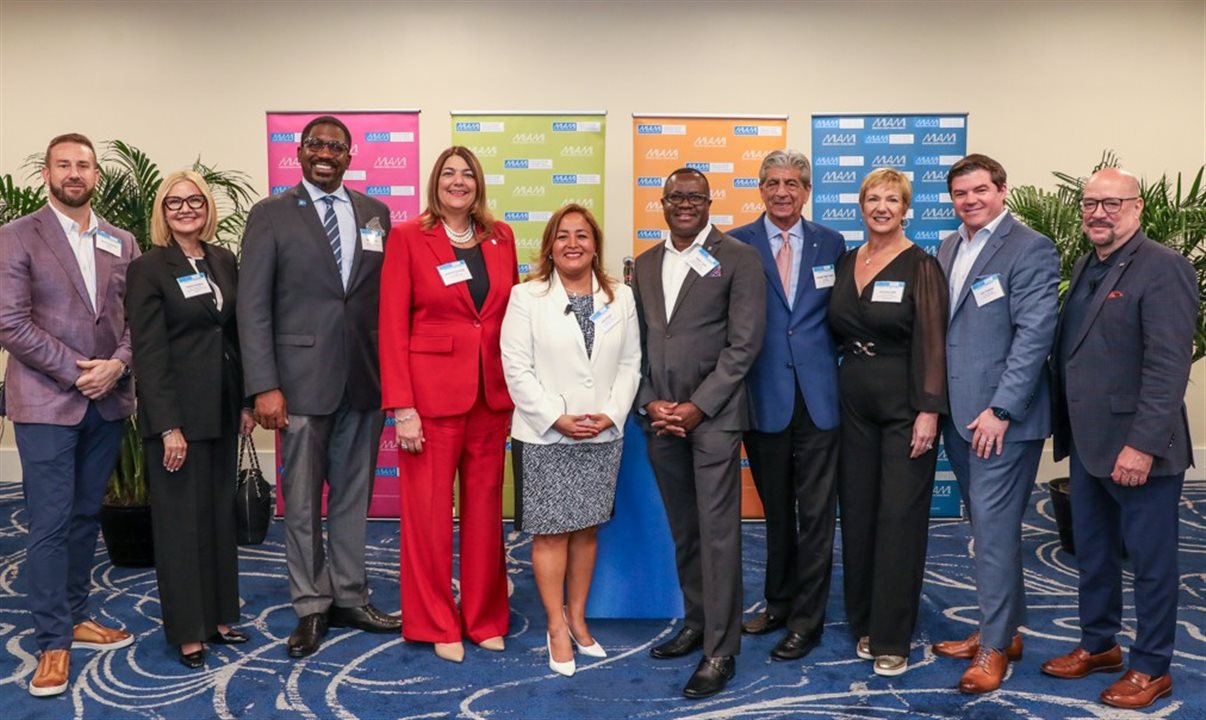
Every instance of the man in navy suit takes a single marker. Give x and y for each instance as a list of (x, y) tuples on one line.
[(794, 396), (1004, 285), (1122, 355)]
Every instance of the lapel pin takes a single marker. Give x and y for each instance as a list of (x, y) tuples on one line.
[(301, 203)]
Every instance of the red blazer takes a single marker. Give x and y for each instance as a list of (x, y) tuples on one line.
[(432, 338)]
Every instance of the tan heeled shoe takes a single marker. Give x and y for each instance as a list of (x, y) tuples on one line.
[(493, 644), (452, 652)]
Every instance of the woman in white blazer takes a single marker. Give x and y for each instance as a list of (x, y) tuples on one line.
[(571, 356)]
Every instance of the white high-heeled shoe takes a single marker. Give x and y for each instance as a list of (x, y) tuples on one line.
[(561, 668), (594, 650)]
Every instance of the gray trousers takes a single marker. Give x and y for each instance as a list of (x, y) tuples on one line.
[(340, 448)]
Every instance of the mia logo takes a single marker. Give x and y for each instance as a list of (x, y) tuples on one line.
[(719, 194), (485, 151), (397, 216), (289, 163), (927, 235), (646, 181), (838, 139), (653, 206), (754, 154), (888, 123), (926, 122), (492, 203), (894, 161), (649, 234), (938, 139), (285, 137), (528, 191), (752, 207), (823, 198), (711, 141), (840, 176), (588, 203), (838, 214), (825, 123), (578, 151), (826, 160), (745, 182), (939, 213), (528, 138), (661, 154), (925, 198), (389, 163), (933, 176)]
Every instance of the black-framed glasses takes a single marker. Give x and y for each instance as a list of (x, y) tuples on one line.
[(196, 202), (1088, 206), (314, 144), (692, 199)]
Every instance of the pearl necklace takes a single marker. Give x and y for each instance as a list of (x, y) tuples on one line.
[(459, 238)]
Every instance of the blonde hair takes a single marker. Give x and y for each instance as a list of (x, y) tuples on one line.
[(888, 177), (161, 234)]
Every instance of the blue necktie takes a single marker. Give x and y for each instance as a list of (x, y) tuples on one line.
[(331, 225)]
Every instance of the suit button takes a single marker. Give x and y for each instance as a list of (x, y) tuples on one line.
[(790, 333), (589, 382), (476, 324), (790, 364), (667, 336)]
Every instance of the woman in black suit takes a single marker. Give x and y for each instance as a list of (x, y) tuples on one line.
[(180, 303)]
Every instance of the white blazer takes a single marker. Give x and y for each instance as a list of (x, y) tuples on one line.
[(548, 372)]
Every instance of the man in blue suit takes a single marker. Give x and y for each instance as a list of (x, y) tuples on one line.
[(1004, 285), (794, 396)]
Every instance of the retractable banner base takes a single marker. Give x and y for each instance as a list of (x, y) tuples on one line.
[(635, 576)]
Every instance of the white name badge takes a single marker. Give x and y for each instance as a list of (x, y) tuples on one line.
[(108, 243), (605, 319), (823, 276), (888, 291), (194, 285), (371, 240), (701, 261), (987, 289), (454, 272)]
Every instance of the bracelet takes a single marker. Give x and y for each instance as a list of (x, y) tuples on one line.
[(165, 433), (404, 418)]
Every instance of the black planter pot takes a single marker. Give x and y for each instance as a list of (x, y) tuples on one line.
[(127, 533), (1061, 507)]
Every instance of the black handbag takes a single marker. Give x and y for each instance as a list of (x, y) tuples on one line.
[(253, 497)]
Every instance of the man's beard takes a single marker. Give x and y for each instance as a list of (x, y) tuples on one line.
[(78, 201)]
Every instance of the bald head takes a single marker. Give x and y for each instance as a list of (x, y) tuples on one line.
[(1111, 209)]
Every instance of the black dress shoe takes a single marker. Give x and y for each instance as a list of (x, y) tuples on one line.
[(365, 617), (762, 623), (711, 676), (230, 637), (794, 646), (687, 640), (308, 635), (193, 660)]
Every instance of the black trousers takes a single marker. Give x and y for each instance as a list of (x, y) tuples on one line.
[(885, 502), (700, 481), (795, 471), (196, 551)]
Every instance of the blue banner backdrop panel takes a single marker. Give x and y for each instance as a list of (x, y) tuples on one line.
[(845, 148)]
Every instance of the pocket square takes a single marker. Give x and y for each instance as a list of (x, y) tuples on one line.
[(1114, 294), (716, 272)]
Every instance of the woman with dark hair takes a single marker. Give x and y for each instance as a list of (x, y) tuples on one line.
[(444, 290)]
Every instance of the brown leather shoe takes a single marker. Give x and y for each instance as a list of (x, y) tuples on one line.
[(51, 676), (967, 648), (985, 672), (1136, 690), (763, 623), (91, 635), (1081, 662)]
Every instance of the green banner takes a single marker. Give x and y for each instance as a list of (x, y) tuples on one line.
[(534, 164)]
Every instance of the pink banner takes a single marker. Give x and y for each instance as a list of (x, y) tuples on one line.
[(385, 165)]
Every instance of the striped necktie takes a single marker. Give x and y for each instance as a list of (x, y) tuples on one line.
[(331, 224)]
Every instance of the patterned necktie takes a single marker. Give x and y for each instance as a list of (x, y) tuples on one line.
[(331, 224), (783, 263)]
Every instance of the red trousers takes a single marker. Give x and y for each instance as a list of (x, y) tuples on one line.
[(475, 445)]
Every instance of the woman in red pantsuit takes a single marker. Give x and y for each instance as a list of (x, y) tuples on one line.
[(444, 290)]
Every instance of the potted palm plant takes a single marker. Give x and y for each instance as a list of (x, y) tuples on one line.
[(124, 196), (1174, 214)]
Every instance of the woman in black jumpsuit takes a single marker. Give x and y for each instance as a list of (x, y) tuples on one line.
[(888, 311)]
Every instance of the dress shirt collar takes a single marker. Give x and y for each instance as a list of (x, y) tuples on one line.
[(699, 240), (986, 232), (72, 227), (317, 193), (775, 233)]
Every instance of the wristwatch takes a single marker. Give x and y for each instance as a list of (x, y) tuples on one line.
[(1000, 413)]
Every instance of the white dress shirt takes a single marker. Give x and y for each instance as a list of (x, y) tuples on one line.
[(675, 268), (83, 244), (795, 238), (966, 253), (345, 216)]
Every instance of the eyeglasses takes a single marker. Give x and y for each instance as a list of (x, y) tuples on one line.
[(692, 199), (1088, 206), (313, 144), (196, 202)]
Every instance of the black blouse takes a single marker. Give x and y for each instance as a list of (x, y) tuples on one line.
[(479, 283)]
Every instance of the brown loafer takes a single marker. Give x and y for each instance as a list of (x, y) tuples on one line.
[(763, 623), (1136, 690), (91, 635), (51, 676), (985, 672), (1081, 662), (968, 647)]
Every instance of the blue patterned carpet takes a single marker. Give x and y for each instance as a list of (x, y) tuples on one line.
[(356, 675)]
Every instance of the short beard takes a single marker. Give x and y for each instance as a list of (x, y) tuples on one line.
[(71, 202)]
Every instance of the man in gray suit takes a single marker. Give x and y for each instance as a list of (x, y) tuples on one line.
[(1122, 356), (701, 304), (1004, 285), (308, 294)]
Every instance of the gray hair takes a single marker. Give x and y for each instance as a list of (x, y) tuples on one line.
[(786, 159)]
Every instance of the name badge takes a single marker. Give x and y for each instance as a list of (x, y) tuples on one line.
[(987, 289), (454, 272), (108, 243), (888, 291), (701, 261), (823, 276), (194, 285), (371, 240), (605, 319)]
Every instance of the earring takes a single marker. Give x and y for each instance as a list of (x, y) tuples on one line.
[(904, 224)]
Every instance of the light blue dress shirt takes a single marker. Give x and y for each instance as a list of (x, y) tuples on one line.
[(346, 217)]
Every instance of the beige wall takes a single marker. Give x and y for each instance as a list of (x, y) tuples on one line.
[(1048, 85)]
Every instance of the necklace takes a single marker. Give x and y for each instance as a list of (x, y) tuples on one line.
[(459, 238), (870, 255)]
